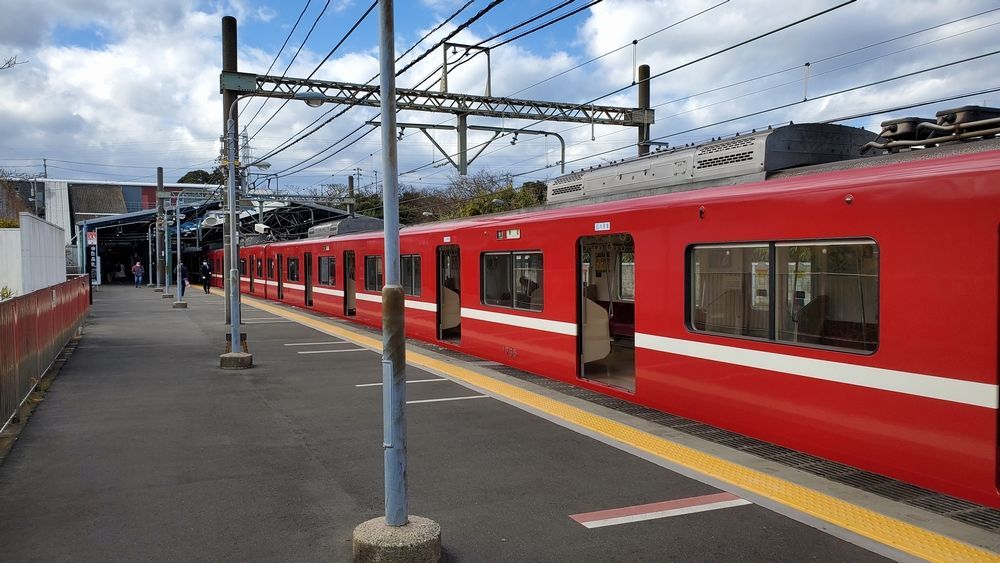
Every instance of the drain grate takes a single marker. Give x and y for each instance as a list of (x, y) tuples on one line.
[(988, 518), (944, 505)]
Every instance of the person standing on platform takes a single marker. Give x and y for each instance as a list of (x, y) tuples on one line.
[(184, 277), (206, 275), (137, 272)]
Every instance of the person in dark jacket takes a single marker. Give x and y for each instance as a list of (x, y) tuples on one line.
[(206, 275)]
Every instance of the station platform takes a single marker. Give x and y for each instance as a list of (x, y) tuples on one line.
[(144, 449)]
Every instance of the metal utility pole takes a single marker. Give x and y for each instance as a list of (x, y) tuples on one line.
[(229, 64), (393, 335), (179, 304), (160, 222), (350, 196), (643, 143), (151, 250), (409, 538)]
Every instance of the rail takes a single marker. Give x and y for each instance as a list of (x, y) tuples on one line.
[(33, 330)]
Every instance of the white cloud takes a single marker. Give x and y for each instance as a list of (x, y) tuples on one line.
[(141, 86)]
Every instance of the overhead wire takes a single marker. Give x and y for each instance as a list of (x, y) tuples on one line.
[(824, 59), (328, 55), (276, 57), (678, 67), (795, 103), (458, 29)]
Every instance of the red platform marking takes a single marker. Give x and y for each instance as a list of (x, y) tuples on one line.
[(658, 510)]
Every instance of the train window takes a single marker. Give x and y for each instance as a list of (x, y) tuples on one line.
[(327, 270), (626, 275), (293, 269), (410, 266), (260, 268), (373, 273), (243, 266), (270, 268), (828, 294), (725, 288), (512, 279), (815, 292)]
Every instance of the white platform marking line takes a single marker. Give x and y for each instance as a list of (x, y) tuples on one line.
[(317, 343), (408, 382), (447, 399), (657, 510), (335, 351)]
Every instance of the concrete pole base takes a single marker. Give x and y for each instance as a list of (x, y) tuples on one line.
[(167, 295), (180, 304), (418, 540), (157, 290), (236, 360)]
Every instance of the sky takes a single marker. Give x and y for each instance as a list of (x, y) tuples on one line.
[(111, 89)]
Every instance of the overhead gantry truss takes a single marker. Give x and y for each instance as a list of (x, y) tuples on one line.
[(440, 102), (461, 105)]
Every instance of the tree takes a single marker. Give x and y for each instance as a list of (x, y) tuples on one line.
[(11, 62), (490, 192), (203, 177)]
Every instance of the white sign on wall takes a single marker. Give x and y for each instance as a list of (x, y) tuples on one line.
[(92, 237)]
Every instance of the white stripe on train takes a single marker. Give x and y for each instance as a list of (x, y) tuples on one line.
[(917, 384)]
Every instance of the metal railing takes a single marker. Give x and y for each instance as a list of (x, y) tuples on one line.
[(33, 330)]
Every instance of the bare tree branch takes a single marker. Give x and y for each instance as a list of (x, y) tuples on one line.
[(11, 62)]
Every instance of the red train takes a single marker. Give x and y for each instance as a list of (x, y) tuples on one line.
[(847, 309)]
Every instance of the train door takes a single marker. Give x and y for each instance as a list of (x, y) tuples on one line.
[(270, 276), (281, 287), (449, 293), (350, 309), (308, 273), (249, 262), (606, 312)]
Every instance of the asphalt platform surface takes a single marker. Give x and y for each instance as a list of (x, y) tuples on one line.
[(145, 450)]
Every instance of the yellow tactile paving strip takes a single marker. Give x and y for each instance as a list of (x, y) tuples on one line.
[(889, 531)]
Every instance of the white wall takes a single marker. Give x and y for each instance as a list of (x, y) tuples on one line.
[(10, 257), (57, 207), (43, 253), (33, 256)]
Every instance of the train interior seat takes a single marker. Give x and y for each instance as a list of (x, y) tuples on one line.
[(451, 308), (596, 332), (810, 320)]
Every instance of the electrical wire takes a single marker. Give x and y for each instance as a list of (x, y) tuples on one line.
[(458, 29), (315, 70), (678, 67), (273, 62)]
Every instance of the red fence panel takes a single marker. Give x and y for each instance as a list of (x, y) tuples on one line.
[(33, 330)]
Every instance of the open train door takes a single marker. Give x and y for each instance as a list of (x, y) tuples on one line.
[(308, 273), (606, 311), (449, 291), (250, 261), (281, 285), (350, 309)]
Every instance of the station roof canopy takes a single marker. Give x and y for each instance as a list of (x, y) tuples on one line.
[(285, 220)]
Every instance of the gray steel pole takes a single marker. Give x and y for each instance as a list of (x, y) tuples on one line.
[(233, 284), (180, 280), (393, 336), (229, 63), (166, 253), (643, 105), (149, 262), (160, 223), (463, 143)]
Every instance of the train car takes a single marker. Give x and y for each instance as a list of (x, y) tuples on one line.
[(845, 309)]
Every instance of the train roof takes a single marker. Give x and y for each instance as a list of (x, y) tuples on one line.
[(906, 155)]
